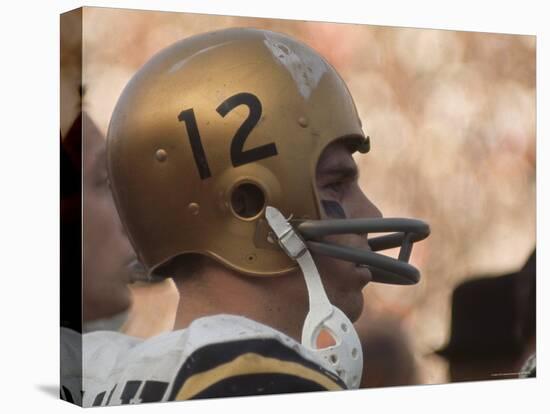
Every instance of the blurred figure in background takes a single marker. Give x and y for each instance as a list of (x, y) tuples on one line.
[(106, 252), (96, 256), (388, 357), (527, 315), (108, 256), (493, 331)]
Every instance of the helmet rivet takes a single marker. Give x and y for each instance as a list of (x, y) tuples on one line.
[(161, 155), (193, 208), (302, 121)]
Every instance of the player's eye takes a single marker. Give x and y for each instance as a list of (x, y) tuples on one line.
[(336, 187)]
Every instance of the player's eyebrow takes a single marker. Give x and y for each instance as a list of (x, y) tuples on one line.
[(340, 170)]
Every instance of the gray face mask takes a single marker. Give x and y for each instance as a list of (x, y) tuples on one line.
[(345, 356)]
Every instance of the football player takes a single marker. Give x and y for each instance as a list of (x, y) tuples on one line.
[(107, 257), (230, 160)]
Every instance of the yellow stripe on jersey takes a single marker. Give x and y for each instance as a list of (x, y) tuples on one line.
[(251, 363)]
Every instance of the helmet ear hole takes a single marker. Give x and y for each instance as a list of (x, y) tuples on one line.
[(247, 200)]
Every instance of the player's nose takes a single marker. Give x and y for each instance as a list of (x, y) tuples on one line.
[(367, 209)]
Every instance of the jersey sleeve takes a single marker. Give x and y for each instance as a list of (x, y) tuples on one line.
[(249, 367)]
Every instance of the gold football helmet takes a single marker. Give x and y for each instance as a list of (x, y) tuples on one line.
[(217, 127)]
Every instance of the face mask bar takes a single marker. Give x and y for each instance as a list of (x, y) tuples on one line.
[(384, 269)]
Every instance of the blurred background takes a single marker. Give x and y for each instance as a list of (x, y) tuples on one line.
[(451, 117)]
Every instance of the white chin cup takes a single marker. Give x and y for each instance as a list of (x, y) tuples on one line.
[(345, 356)]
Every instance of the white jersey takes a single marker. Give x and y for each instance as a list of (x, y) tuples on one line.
[(215, 356)]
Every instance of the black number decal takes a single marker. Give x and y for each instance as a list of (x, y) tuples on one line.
[(238, 156), (129, 391), (66, 394), (153, 391), (188, 116), (99, 399)]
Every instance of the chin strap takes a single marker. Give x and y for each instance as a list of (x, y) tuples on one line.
[(345, 356)]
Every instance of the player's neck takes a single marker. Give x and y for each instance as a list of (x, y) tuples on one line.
[(218, 291)]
